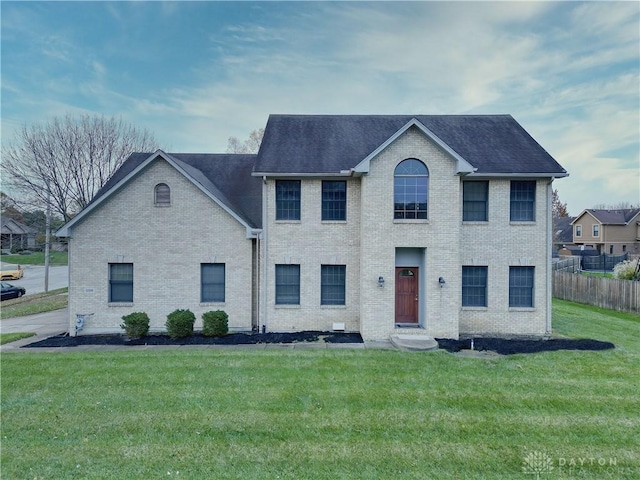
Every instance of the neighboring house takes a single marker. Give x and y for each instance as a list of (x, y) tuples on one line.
[(17, 235), (608, 231), (376, 224), (562, 232)]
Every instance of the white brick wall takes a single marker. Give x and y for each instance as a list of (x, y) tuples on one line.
[(166, 246)]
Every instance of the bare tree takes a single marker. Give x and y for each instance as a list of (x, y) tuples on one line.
[(67, 160), (250, 145), (614, 206)]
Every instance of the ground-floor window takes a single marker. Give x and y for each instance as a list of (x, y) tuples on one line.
[(212, 282), (287, 284), (521, 286), (474, 286), (121, 282), (332, 284)]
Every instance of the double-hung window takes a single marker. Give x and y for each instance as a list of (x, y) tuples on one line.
[(521, 286), (475, 197), (120, 282), (287, 199), (332, 284), (523, 201), (212, 282), (287, 284), (334, 200), (596, 231), (578, 230), (474, 286)]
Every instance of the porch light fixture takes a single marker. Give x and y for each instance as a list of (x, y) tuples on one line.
[(381, 281), (441, 281)]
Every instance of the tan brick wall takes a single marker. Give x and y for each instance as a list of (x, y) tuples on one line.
[(500, 244), (166, 246), (311, 243), (367, 243), (439, 236)]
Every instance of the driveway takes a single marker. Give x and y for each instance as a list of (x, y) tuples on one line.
[(42, 324), (33, 279)]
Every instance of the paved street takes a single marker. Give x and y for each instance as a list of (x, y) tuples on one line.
[(33, 279)]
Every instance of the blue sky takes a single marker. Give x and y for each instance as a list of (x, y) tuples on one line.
[(196, 73)]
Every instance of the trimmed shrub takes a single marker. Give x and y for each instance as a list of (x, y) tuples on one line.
[(625, 270), (135, 324), (215, 324), (180, 323)]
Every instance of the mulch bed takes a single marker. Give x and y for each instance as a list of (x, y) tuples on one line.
[(499, 345), (199, 339), (511, 346)]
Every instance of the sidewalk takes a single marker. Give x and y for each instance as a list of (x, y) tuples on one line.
[(44, 325)]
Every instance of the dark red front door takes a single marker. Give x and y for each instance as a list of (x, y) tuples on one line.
[(406, 294)]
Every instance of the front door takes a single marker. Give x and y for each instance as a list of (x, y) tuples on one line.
[(407, 295)]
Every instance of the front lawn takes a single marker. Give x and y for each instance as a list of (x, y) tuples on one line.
[(36, 258), (35, 303), (13, 337), (329, 414)]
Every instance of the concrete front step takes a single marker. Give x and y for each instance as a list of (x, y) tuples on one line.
[(413, 343)]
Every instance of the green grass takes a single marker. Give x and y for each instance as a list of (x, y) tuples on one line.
[(36, 258), (36, 303), (12, 337), (327, 414)]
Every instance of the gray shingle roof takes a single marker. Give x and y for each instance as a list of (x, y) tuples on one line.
[(614, 217), (227, 176), (310, 144)]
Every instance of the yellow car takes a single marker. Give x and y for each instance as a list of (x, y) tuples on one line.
[(13, 274)]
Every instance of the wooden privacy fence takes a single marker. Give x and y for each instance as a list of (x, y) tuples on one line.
[(621, 295)]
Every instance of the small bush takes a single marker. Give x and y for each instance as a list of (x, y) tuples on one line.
[(180, 323), (135, 324), (625, 270), (215, 324)]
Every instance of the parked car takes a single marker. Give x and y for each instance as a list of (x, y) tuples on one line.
[(12, 274), (10, 291)]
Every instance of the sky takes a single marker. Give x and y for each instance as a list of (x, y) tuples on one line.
[(195, 73)]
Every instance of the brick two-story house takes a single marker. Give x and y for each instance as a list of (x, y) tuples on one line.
[(377, 224)]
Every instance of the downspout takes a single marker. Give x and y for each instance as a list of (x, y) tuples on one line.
[(257, 288), (549, 273), (265, 243)]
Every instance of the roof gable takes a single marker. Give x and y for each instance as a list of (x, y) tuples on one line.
[(462, 166), (224, 178), (338, 144), (611, 217)]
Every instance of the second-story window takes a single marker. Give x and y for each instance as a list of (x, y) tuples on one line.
[(596, 230), (410, 190), (578, 230), (287, 199), (523, 201), (334, 200), (475, 197)]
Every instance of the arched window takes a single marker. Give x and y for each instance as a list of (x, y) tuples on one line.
[(410, 189), (162, 194)]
